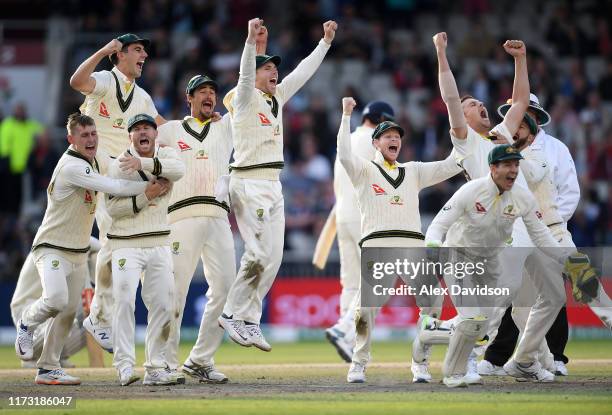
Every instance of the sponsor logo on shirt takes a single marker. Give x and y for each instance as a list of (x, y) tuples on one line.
[(396, 200), (447, 207), (88, 198), (119, 124), (264, 120), (103, 112), (378, 191), (480, 208), (538, 214), (183, 146), (508, 211)]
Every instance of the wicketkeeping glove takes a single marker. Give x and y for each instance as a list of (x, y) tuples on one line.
[(584, 278)]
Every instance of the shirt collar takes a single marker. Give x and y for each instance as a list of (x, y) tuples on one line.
[(379, 159), (196, 121), (126, 82), (492, 187)]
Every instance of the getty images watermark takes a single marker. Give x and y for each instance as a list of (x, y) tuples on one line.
[(472, 277)]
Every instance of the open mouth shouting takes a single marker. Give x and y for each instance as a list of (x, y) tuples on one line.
[(140, 64), (144, 141), (483, 114), (393, 149), (510, 179), (207, 105), (273, 82)]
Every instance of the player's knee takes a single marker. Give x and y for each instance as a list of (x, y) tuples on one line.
[(57, 303)]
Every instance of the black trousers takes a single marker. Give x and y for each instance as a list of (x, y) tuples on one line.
[(500, 351)]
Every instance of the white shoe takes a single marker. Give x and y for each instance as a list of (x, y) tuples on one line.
[(472, 377), (102, 335), (257, 338), (338, 339), (533, 371), (178, 376), (236, 330), (157, 377), (560, 368), (127, 376), (356, 373), (455, 381), (486, 368), (204, 373), (55, 377), (24, 343), (420, 372)]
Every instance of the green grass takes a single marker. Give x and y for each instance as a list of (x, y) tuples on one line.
[(577, 396), (319, 352)]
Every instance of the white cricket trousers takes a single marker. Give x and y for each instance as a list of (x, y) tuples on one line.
[(366, 316), (158, 296), (260, 214), (350, 271), (209, 239), (62, 283), (102, 302)]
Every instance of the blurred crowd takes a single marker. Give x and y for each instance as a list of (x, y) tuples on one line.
[(383, 50)]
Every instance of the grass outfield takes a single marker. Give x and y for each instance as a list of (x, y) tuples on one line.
[(308, 378)]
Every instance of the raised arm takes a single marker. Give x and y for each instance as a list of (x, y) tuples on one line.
[(353, 164), (448, 89), (81, 80), (309, 65), (450, 213), (246, 80), (87, 178), (520, 89), (437, 171)]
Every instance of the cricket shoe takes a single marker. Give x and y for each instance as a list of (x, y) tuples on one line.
[(159, 377), (236, 330), (204, 373), (472, 377), (560, 368), (455, 381), (102, 335), (24, 343), (55, 377), (257, 338), (338, 339), (486, 368), (127, 376), (533, 371), (178, 376), (356, 373), (420, 372)]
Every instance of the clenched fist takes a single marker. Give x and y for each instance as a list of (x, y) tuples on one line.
[(111, 47), (254, 28), (515, 48), (440, 40), (348, 104), (329, 30)]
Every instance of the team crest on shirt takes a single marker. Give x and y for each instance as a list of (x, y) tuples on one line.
[(55, 264), (260, 213), (277, 130), (378, 191), (119, 124), (508, 211), (175, 247), (103, 112), (480, 208), (264, 120), (183, 146), (202, 155), (396, 200), (121, 263)]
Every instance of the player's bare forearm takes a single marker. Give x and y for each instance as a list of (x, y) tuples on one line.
[(520, 88), (81, 80)]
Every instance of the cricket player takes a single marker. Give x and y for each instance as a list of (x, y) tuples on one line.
[(255, 106), (482, 214), (555, 177), (61, 245), (199, 223), (472, 138), (342, 334), (111, 99), (139, 241), (29, 289), (387, 192)]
